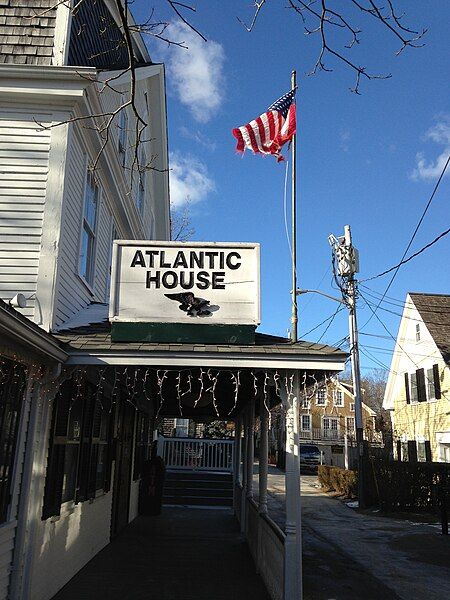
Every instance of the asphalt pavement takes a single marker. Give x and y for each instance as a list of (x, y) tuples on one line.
[(352, 555)]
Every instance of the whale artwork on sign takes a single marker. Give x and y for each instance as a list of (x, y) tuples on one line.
[(175, 282)]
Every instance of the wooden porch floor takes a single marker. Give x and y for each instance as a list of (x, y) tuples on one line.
[(183, 554)]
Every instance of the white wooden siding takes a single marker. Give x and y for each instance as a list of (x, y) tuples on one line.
[(24, 151), (72, 293)]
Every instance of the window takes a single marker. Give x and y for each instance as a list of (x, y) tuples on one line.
[(12, 378), (352, 406), (87, 254), (413, 387), (305, 404), (350, 424), (421, 456), (417, 332), (123, 133), (142, 175), (430, 384), (338, 398), (330, 428), (79, 458), (423, 385), (142, 444), (306, 422), (321, 397)]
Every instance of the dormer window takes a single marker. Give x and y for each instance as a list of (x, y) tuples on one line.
[(417, 332)]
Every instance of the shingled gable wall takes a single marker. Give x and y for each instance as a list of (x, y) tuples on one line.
[(27, 29)]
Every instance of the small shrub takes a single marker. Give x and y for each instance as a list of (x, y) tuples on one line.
[(339, 480)]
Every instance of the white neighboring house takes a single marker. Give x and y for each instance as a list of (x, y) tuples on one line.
[(57, 222), (418, 387)]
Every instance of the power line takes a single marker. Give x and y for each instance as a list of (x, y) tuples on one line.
[(386, 329), (330, 318), (403, 262), (401, 303), (397, 267), (392, 312), (339, 308)]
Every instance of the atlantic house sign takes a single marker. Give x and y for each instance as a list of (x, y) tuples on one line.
[(173, 291)]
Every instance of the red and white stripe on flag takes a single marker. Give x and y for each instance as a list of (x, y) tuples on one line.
[(267, 134)]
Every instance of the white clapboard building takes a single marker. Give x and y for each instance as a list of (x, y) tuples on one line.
[(58, 218), (106, 325)]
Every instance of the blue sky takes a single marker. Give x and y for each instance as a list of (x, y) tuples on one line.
[(369, 161)]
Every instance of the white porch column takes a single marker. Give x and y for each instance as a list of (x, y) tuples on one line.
[(250, 444), (237, 451), (263, 455), (244, 447), (293, 542)]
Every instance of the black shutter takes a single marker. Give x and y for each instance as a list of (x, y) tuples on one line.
[(408, 396), (84, 464), (428, 451), (399, 450), (57, 453), (421, 387), (412, 451), (437, 382), (110, 453)]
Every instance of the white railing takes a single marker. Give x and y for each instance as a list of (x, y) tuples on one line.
[(197, 454), (324, 435)]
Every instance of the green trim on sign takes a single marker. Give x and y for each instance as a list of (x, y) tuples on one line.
[(182, 333)]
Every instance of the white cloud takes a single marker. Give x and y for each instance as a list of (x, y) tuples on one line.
[(440, 134), (189, 180), (198, 137), (344, 136), (196, 72)]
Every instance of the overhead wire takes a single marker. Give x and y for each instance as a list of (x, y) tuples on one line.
[(399, 303), (397, 267), (386, 329)]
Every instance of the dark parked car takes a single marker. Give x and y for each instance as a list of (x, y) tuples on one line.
[(309, 458)]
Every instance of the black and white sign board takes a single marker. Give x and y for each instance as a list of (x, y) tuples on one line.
[(174, 282)]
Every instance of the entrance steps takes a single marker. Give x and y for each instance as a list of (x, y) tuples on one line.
[(198, 488)]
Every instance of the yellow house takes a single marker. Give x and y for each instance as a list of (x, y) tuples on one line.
[(418, 387)]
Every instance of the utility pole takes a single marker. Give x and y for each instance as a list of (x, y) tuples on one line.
[(347, 264)]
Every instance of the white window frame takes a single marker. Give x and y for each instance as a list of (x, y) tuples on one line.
[(352, 407), (86, 226), (142, 182), (351, 429), (417, 332), (336, 394), (123, 132), (413, 378), (307, 416), (319, 400)]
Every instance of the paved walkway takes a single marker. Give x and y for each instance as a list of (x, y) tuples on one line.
[(352, 555), (184, 554)]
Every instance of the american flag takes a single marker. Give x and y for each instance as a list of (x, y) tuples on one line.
[(267, 133)]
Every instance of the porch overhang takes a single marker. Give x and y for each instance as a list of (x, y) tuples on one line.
[(92, 345)]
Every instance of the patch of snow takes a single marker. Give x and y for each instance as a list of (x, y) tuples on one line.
[(97, 312), (353, 504)]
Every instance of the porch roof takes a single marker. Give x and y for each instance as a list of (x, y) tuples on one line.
[(91, 344)]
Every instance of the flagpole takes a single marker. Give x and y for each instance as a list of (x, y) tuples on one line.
[(294, 315)]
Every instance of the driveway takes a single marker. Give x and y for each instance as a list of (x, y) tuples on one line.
[(348, 555)]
